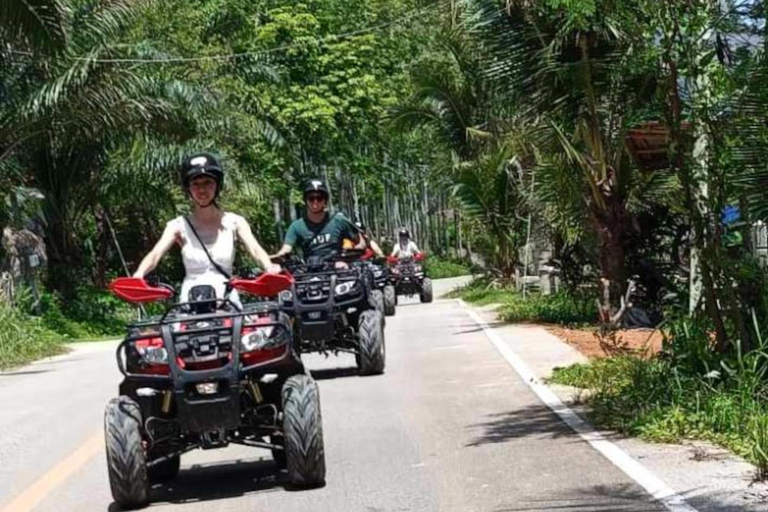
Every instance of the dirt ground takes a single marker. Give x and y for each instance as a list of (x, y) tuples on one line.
[(588, 341)]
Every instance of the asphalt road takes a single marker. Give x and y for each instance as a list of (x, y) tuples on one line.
[(448, 427)]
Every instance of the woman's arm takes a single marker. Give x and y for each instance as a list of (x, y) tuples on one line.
[(254, 248), (149, 263)]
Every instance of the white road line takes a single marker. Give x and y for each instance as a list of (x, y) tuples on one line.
[(618, 457)]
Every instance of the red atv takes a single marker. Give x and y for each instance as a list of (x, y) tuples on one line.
[(407, 276), (206, 373)]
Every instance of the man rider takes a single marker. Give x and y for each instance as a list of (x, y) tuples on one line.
[(405, 248), (319, 233)]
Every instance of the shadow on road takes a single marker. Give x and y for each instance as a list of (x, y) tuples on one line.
[(218, 481), (534, 420), (27, 372), (619, 497), (473, 328), (334, 373)]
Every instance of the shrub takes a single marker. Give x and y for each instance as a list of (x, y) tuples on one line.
[(437, 268), (24, 338)]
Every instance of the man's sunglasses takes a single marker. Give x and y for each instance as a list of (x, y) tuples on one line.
[(315, 197)]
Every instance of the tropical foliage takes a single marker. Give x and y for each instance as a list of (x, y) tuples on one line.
[(623, 139)]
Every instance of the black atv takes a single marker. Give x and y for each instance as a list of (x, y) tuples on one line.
[(337, 309), (381, 281), (408, 277), (204, 374)]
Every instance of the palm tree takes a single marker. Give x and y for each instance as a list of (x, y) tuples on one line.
[(578, 81), (449, 96), (490, 189), (37, 25), (81, 108)]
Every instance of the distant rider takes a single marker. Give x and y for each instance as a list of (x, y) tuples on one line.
[(202, 178), (405, 247)]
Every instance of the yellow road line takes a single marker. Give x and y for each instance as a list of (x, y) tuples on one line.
[(35, 493)]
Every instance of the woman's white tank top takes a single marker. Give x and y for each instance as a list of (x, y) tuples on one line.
[(198, 267)]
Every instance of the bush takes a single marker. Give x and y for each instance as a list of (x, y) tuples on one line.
[(482, 291), (93, 313), (98, 311), (560, 309), (24, 338), (437, 268), (657, 401)]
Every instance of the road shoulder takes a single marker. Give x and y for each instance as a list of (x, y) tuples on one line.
[(708, 477)]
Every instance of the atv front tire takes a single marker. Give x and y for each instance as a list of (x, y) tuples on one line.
[(390, 300), (372, 351), (426, 290), (126, 461), (377, 301), (303, 430)]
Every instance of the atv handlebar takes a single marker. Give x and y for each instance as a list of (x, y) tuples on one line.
[(137, 291)]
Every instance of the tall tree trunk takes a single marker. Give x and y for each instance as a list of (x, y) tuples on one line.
[(101, 253), (610, 224)]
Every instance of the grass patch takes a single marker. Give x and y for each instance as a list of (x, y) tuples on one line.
[(24, 338), (654, 400), (437, 268), (481, 292), (561, 308)]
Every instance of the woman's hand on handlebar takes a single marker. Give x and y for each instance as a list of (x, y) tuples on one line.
[(273, 268)]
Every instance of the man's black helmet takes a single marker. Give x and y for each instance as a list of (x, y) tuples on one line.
[(201, 164), (404, 232), (316, 185)]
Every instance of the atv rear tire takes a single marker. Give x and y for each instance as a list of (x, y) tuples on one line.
[(303, 430), (426, 290), (390, 300), (372, 351), (126, 461), (377, 301), (164, 471)]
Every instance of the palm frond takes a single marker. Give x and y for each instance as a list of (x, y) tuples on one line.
[(38, 24)]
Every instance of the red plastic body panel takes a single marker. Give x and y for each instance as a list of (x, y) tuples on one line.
[(266, 285), (134, 290)]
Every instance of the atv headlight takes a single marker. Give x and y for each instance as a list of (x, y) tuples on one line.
[(286, 295), (256, 338), (344, 288), (152, 350), (378, 273)]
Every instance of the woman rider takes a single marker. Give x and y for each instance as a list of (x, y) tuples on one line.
[(202, 178)]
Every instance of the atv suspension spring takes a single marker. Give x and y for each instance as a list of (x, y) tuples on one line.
[(167, 396), (253, 387)]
